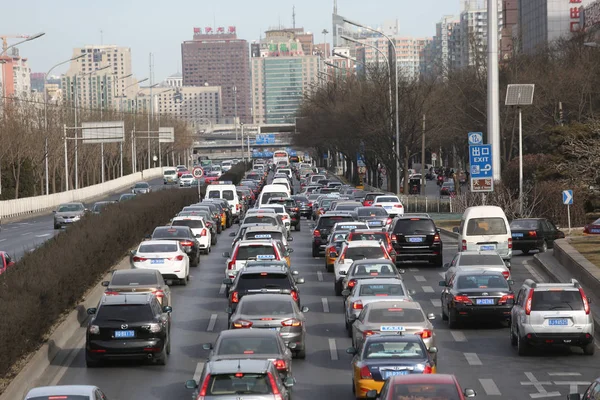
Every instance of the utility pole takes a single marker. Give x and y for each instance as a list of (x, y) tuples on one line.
[(235, 117), (493, 91), (151, 110), (423, 180)]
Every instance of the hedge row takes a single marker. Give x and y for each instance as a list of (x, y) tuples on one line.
[(236, 173), (51, 280)]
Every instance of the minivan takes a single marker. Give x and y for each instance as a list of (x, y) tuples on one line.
[(170, 176), (227, 191), (272, 191), (485, 228)]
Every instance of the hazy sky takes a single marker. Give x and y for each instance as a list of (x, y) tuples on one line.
[(160, 26)]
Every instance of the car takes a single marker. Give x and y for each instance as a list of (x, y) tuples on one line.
[(185, 237), (369, 269), (82, 392), (6, 261), (132, 326), (369, 197), (402, 316), (549, 314), (476, 261), (266, 232), (353, 251), (476, 295), (304, 205), (385, 356), (447, 189), (165, 256), (265, 228), (170, 176), (126, 196), (208, 219), (141, 188), (373, 234), (226, 191), (291, 208), (266, 249), (332, 250), (225, 208), (139, 281), (181, 169), (217, 219), (322, 229), (371, 290), (375, 217), (280, 210), (416, 239), (99, 206), (198, 227), (349, 206), (256, 379), (268, 280), (592, 228), (275, 312), (534, 234), (391, 204), (348, 226), (68, 213), (262, 217), (590, 393), (186, 179), (430, 386)]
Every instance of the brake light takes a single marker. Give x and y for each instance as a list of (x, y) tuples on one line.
[(204, 232), (291, 322), (352, 283), (365, 373), (368, 333), (309, 205), (378, 205), (462, 299), (388, 221), (528, 302), (235, 297), (159, 293), (510, 243), (330, 249), (397, 205), (464, 244), (321, 210), (532, 233), (428, 369), (111, 293), (294, 295), (209, 224), (231, 265), (586, 303), (394, 238), (296, 209), (436, 238), (316, 233), (280, 365), (506, 274), (242, 323), (357, 305), (504, 299), (425, 334), (274, 387), (203, 388), (176, 258), (139, 259), (187, 243)]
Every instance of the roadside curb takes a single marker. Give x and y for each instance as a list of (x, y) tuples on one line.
[(449, 233), (58, 341)]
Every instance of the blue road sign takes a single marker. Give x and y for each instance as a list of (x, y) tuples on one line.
[(360, 161), (567, 197), (480, 157), (475, 138)]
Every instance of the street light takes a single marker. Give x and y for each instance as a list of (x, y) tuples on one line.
[(29, 39), (397, 95), (159, 149)]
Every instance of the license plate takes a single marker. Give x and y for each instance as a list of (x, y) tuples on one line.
[(387, 207), (595, 230), (484, 302), (275, 329), (375, 222), (558, 321), (157, 261), (124, 334), (517, 235), (487, 247), (68, 220), (391, 328), (387, 374), (415, 240)]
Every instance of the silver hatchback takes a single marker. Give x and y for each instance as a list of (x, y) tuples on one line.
[(547, 314)]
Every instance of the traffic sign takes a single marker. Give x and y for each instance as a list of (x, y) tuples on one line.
[(360, 161), (362, 170), (433, 156), (475, 138), (567, 196), (198, 172), (480, 159)]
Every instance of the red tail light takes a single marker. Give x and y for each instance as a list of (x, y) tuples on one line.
[(428, 369), (504, 299), (139, 259), (309, 205), (158, 293), (231, 265), (242, 323), (187, 243), (462, 299), (586, 303), (296, 209), (532, 233), (388, 221), (368, 333), (394, 238), (321, 210), (235, 297), (365, 373), (425, 334), (204, 232), (316, 233), (330, 249), (397, 205), (464, 244), (510, 243), (274, 387), (378, 205), (209, 224), (357, 305), (176, 258), (111, 293), (280, 365), (291, 322), (585, 229), (352, 283), (204, 388), (294, 295), (436, 238), (528, 302), (506, 274)]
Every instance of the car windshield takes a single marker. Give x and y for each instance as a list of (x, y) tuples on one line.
[(248, 345), (264, 235), (129, 313), (596, 222), (267, 308), (374, 269), (170, 233), (238, 384), (524, 224), (100, 206), (414, 226), (480, 259), (369, 236), (386, 289), (260, 219), (133, 279), (395, 315), (388, 200), (142, 185), (395, 349), (70, 208), (158, 248), (426, 391), (255, 252), (359, 253), (371, 196), (486, 227), (556, 300), (192, 223), (371, 212), (482, 282), (127, 196), (329, 222)]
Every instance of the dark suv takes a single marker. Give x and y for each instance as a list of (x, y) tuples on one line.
[(185, 237), (416, 238), (323, 229), (276, 280), (291, 207), (128, 326)]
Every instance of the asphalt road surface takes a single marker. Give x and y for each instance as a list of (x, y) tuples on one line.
[(480, 356)]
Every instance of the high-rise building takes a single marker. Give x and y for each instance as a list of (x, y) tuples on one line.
[(474, 30), (15, 76), (445, 47), (175, 80), (281, 73), (543, 21), (219, 58), (510, 19)]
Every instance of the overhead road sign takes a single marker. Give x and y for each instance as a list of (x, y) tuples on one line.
[(103, 132), (166, 135)]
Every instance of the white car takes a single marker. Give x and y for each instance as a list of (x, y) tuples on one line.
[(245, 251), (226, 165), (353, 251), (186, 180), (65, 392), (198, 226), (391, 204), (280, 210), (166, 256)]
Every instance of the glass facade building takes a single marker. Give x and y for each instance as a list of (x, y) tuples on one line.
[(283, 88)]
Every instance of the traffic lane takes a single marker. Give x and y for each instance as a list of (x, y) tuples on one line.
[(19, 237)]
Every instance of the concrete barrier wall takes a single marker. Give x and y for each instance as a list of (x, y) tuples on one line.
[(577, 265)]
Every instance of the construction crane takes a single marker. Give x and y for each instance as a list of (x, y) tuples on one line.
[(5, 42)]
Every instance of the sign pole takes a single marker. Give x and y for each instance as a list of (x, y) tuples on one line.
[(569, 216), (102, 160), (66, 160), (520, 164)]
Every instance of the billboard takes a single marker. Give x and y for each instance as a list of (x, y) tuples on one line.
[(103, 132), (166, 135)]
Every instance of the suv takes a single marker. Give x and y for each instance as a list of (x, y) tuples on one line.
[(133, 326), (417, 238), (272, 279), (323, 229), (291, 207), (552, 313)]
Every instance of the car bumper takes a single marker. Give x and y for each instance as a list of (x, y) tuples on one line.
[(527, 244), (63, 222), (173, 270), (483, 312), (124, 349), (293, 337), (204, 242), (330, 260), (569, 339), (362, 386), (305, 212), (412, 253)]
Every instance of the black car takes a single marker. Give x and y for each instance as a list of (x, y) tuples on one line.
[(416, 238), (128, 326), (263, 280), (304, 205), (291, 207), (185, 237), (477, 295), (534, 234), (224, 208), (212, 209), (323, 229), (99, 206)]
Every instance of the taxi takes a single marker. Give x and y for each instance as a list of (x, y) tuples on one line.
[(246, 250), (381, 357), (332, 250)]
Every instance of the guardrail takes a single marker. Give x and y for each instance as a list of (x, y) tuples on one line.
[(30, 205), (233, 143)]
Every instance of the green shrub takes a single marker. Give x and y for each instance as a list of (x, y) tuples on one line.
[(236, 173), (52, 279)]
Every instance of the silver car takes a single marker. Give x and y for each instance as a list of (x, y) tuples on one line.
[(476, 260), (68, 213), (552, 314), (141, 188), (66, 392), (370, 268), (393, 316)]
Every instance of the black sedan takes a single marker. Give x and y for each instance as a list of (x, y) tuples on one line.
[(185, 237), (304, 205), (534, 234), (291, 207)]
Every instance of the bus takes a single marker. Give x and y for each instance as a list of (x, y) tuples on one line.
[(279, 156)]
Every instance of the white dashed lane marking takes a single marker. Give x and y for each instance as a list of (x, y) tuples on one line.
[(489, 386), (222, 289), (333, 349), (458, 336), (198, 371), (212, 322), (413, 269), (325, 304), (420, 278), (428, 289), (319, 276), (436, 302), (473, 359)]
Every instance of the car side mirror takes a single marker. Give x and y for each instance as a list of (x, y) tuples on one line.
[(197, 235), (132, 252), (54, 212), (471, 393), (305, 309), (401, 271), (148, 236), (311, 226), (412, 292), (226, 254), (288, 382), (232, 234), (290, 239), (511, 282), (455, 230), (229, 310), (300, 281), (345, 293), (290, 251), (431, 316), (295, 272), (207, 346), (371, 394), (352, 318), (432, 350), (191, 384), (351, 350), (438, 230), (92, 311), (443, 284), (447, 265), (105, 283), (167, 309)]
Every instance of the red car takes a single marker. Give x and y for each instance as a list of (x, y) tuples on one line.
[(5, 261), (593, 228), (429, 386), (182, 170), (369, 197)]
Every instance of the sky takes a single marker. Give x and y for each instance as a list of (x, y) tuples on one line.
[(159, 27)]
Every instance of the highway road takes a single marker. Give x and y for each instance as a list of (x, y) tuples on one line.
[(480, 356), (19, 237)]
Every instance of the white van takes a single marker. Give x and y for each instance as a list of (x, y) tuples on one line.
[(225, 190), (284, 182), (485, 228), (226, 165), (272, 191), (169, 175), (316, 178)]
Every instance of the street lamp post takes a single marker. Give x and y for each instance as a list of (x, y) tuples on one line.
[(235, 114), (150, 114), (159, 149)]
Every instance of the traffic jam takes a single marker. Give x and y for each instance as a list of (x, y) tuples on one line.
[(366, 245)]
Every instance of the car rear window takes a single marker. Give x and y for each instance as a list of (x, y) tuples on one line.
[(347, 207), (125, 279), (170, 172), (328, 190), (381, 290), (192, 223), (371, 196), (482, 282), (278, 208), (170, 233), (524, 224), (414, 226), (397, 349), (261, 280), (158, 248), (255, 252), (426, 391), (238, 383), (301, 199), (556, 300), (388, 200), (249, 345), (266, 196), (228, 194), (254, 177), (371, 212), (100, 206), (359, 253), (480, 259), (266, 308), (486, 227), (329, 222), (395, 315), (214, 194), (260, 219), (374, 269), (128, 313), (369, 236), (60, 396)]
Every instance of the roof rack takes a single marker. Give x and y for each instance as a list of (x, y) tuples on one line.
[(574, 283)]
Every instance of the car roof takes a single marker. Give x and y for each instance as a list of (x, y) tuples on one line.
[(184, 217), (72, 390), (363, 243), (244, 333), (262, 242), (75, 203), (478, 253), (477, 271), (388, 338), (233, 366), (163, 228), (422, 378), (267, 263), (158, 241), (136, 271), (379, 305), (379, 281), (373, 260), (122, 299), (337, 214), (263, 297)]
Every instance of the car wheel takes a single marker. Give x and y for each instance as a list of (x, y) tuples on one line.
[(56, 226), (544, 247), (183, 281), (513, 338), (213, 241), (89, 363), (315, 251), (522, 345), (349, 329), (162, 360), (329, 268), (169, 344), (525, 251), (444, 315), (589, 349), (438, 262), (353, 388), (337, 287), (301, 354), (452, 322)]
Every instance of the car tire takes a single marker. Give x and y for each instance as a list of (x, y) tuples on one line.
[(438, 262), (522, 345), (162, 360), (513, 337), (329, 267), (444, 315), (56, 226), (315, 251), (452, 322), (183, 282), (89, 363), (544, 247), (300, 354), (589, 349), (349, 329), (337, 287), (213, 241), (297, 228)]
